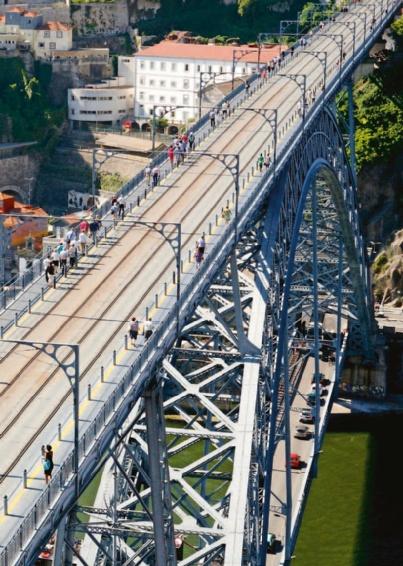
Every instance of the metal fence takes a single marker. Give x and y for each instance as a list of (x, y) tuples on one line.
[(135, 377)]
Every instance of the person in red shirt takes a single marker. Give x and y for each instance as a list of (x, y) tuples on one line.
[(171, 155), (84, 225)]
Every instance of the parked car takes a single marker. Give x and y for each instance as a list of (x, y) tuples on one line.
[(302, 432), (271, 543), (311, 399), (295, 460), (306, 416)]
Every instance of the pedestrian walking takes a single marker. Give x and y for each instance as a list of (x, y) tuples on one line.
[(171, 155), (182, 150), (72, 251), (50, 275), (133, 330), (46, 262), (64, 254), (147, 328), (84, 226), (156, 176), (70, 236), (224, 109), (198, 257), (260, 162), (47, 461), (212, 118), (267, 161), (201, 244), (226, 214), (83, 241), (147, 173), (177, 155), (55, 259), (247, 87), (191, 141), (94, 227), (121, 209), (114, 210)]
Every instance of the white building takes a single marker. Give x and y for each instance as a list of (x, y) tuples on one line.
[(52, 37), (20, 28), (169, 73), (108, 102)]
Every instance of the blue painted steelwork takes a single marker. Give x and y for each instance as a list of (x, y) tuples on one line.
[(313, 150)]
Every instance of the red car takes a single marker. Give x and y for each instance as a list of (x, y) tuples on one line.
[(295, 461)]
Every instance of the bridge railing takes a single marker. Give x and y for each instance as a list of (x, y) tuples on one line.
[(117, 407)]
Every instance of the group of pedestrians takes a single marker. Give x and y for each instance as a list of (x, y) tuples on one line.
[(65, 255), (263, 161), (118, 208), (134, 329), (152, 175)]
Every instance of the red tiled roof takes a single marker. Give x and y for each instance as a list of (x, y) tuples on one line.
[(31, 14), (16, 10), (174, 50), (2, 19), (55, 26)]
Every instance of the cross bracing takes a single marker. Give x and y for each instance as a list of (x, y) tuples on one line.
[(289, 265)]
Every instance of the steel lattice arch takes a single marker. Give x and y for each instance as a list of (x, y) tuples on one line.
[(196, 457)]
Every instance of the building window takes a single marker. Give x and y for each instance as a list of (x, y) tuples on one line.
[(122, 111), (185, 99), (162, 83), (141, 95), (142, 65), (173, 114), (186, 67), (186, 83), (59, 34), (198, 68), (104, 112), (72, 111), (162, 98), (221, 70), (162, 66), (173, 84), (173, 66), (122, 97), (142, 80), (172, 100), (52, 45), (151, 98), (41, 44), (125, 60), (46, 34), (73, 97), (151, 64), (152, 82), (210, 69), (87, 112)]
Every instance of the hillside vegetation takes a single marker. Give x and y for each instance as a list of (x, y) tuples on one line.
[(243, 20), (25, 111)]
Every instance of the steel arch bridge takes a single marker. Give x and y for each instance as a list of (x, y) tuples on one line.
[(201, 446), (198, 439)]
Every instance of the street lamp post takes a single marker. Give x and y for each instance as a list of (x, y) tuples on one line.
[(270, 115), (203, 82), (322, 58), (238, 54), (300, 80), (172, 234), (71, 370)]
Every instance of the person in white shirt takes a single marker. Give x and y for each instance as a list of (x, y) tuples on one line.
[(201, 245), (55, 258), (70, 236), (83, 240), (147, 328), (64, 254)]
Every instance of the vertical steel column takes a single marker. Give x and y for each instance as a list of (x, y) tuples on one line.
[(351, 128), (76, 409), (163, 533), (339, 307), (94, 175), (242, 340), (287, 450), (314, 235), (178, 278), (58, 555)]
